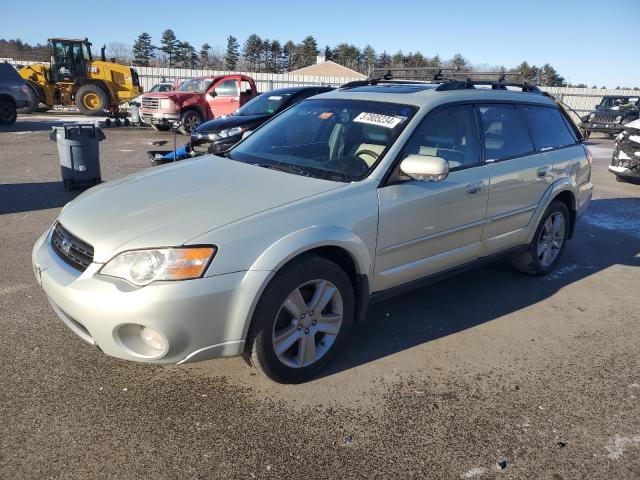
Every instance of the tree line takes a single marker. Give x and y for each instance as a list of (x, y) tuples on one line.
[(258, 54)]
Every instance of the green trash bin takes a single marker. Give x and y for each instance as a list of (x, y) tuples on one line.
[(79, 152)]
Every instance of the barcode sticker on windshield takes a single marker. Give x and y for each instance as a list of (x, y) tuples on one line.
[(378, 119)]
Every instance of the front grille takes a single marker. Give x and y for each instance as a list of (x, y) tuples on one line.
[(604, 118), (150, 103), (71, 249)]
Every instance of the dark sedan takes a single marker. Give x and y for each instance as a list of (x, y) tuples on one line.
[(220, 134)]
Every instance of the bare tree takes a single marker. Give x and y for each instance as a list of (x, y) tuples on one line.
[(122, 52)]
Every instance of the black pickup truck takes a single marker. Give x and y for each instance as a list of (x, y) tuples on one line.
[(610, 116)]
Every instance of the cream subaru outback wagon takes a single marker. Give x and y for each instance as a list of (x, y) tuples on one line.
[(274, 250)]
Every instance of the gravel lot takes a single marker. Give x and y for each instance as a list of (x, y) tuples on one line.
[(490, 374)]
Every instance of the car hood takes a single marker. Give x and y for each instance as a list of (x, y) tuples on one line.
[(230, 121), (172, 204), (176, 95)]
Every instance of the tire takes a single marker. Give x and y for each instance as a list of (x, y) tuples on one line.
[(8, 112), (621, 179), (92, 100), (161, 128), (533, 260), (308, 276), (189, 120)]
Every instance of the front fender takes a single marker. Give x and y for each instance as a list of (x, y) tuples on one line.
[(290, 246)]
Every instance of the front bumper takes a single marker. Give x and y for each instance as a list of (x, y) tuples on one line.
[(601, 127), (159, 118), (200, 319)]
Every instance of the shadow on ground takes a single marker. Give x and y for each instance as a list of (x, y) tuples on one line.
[(27, 197), (490, 292)]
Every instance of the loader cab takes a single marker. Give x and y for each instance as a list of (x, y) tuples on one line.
[(69, 59)]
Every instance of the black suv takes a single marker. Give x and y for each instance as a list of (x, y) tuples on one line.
[(613, 112)]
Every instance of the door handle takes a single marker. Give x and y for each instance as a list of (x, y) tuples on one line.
[(474, 188), (543, 171)]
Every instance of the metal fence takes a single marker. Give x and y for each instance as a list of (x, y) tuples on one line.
[(582, 100)]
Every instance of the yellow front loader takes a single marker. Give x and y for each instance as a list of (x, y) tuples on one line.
[(74, 77)]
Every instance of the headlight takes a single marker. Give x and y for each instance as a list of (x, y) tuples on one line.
[(231, 132), (167, 104), (212, 136), (592, 116), (141, 267), (618, 118)]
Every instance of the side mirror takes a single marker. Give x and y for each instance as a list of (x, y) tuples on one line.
[(246, 134), (212, 93), (425, 168)]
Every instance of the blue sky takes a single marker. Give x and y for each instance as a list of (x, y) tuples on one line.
[(588, 41)]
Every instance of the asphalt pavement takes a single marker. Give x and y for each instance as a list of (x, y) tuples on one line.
[(490, 374)]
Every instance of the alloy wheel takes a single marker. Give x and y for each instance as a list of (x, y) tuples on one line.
[(191, 122), (307, 323), (551, 239)]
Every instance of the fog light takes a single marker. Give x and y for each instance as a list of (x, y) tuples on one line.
[(154, 340)]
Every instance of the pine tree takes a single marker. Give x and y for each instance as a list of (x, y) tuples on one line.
[(169, 43), (251, 51), (369, 58), (205, 55), (328, 53), (143, 50), (289, 56), (233, 53), (308, 51), (459, 62), (275, 57)]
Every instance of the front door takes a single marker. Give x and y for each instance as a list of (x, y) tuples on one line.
[(224, 97), (428, 227)]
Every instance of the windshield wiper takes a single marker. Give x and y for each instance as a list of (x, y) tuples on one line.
[(281, 168)]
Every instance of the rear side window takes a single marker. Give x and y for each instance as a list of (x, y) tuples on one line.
[(505, 133), (548, 128)]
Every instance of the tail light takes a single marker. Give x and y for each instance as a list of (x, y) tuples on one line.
[(588, 153), (589, 156)]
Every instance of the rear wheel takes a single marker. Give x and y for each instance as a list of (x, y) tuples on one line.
[(301, 321), (189, 120), (92, 100), (546, 248), (8, 112)]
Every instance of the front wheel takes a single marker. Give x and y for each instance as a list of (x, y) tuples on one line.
[(301, 321), (546, 248), (189, 120), (92, 100), (8, 112)]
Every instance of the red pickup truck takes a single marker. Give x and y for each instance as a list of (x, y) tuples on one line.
[(197, 100)]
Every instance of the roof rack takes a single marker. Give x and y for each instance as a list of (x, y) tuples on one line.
[(448, 78), (500, 84)]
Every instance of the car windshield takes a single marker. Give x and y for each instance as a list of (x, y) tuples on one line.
[(195, 85), (265, 104), (619, 102), (334, 139)]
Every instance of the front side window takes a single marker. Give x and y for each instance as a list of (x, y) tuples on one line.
[(228, 88), (505, 133), (340, 140), (450, 133), (547, 127)]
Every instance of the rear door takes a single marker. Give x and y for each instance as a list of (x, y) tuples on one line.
[(520, 175), (428, 227)]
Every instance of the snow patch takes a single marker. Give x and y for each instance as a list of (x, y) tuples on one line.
[(619, 443), (474, 472), (619, 215), (561, 271)]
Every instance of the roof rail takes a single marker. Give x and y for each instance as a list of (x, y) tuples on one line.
[(500, 84)]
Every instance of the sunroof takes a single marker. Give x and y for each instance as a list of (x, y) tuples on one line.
[(394, 88)]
